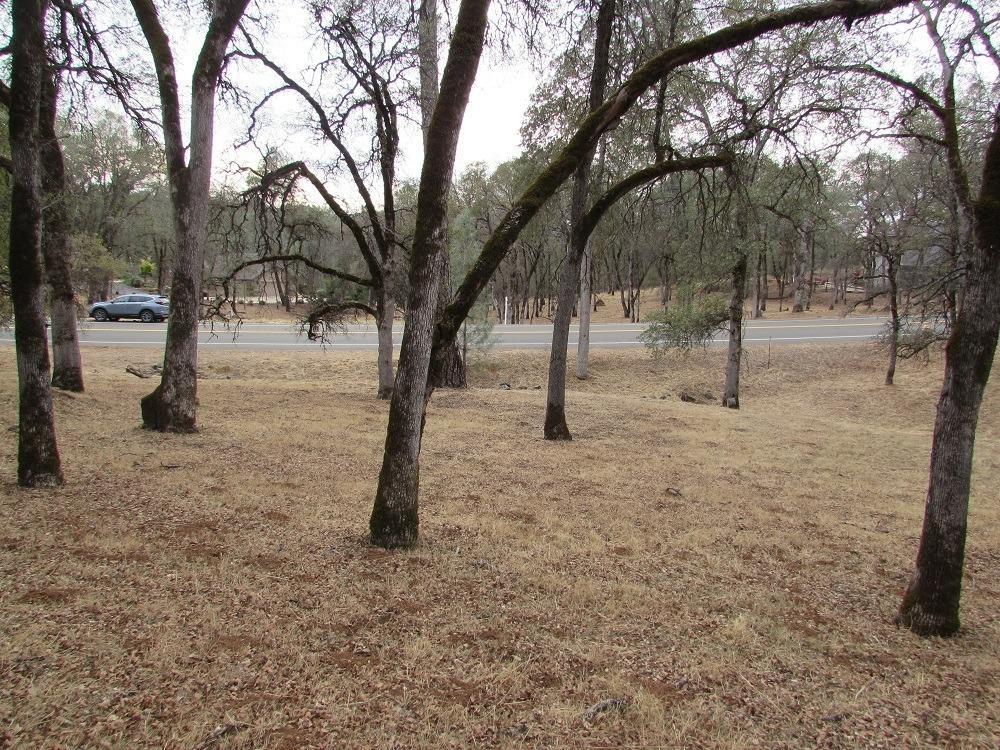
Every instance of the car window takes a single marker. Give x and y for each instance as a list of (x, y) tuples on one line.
[(123, 298), (140, 298)]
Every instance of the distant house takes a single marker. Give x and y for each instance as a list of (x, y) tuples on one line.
[(919, 265), (251, 284)]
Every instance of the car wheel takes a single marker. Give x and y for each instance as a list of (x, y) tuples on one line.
[(146, 316), (100, 315)]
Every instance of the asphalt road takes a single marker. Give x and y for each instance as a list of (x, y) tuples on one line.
[(283, 337)]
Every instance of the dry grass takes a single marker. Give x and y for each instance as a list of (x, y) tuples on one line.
[(731, 577)]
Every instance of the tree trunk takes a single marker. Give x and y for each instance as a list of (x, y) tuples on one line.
[(586, 289), (812, 270), (448, 370), (894, 320), (279, 288), (386, 309), (37, 454), (449, 367), (160, 248), (799, 269), (931, 603), (833, 284), (665, 284), (394, 521), (763, 281), (67, 368), (759, 286), (583, 337), (172, 406), (555, 408), (731, 397)]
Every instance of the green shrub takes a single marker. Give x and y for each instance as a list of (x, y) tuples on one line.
[(692, 323)]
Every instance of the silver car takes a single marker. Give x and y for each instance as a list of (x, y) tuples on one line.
[(146, 307)]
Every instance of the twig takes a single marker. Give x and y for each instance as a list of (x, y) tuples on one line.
[(218, 733)]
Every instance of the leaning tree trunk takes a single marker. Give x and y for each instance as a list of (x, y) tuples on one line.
[(931, 603), (67, 368), (731, 397), (569, 279), (37, 454), (394, 521), (448, 368)]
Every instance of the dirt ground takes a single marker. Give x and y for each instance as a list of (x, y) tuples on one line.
[(680, 575)]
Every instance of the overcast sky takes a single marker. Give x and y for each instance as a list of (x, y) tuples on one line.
[(490, 132)]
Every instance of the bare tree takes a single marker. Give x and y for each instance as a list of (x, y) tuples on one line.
[(368, 54), (394, 521), (171, 407), (38, 462)]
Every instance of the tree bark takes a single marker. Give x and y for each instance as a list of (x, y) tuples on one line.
[(67, 368), (395, 521), (172, 406), (586, 306), (448, 366), (731, 397), (448, 370), (894, 324), (931, 603), (38, 462), (386, 309)]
